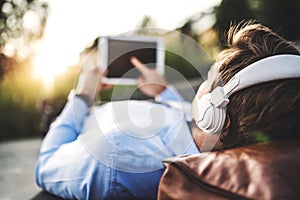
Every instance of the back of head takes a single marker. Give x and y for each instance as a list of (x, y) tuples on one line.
[(265, 111)]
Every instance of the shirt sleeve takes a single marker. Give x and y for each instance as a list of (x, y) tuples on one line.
[(64, 167), (67, 126), (65, 129)]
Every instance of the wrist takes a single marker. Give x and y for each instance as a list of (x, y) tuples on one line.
[(84, 97), (161, 90)]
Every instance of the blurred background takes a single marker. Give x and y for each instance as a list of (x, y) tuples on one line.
[(40, 44)]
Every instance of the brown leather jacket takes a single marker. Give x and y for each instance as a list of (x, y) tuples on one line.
[(259, 171)]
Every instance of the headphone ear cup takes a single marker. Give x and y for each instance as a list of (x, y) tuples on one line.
[(208, 117)]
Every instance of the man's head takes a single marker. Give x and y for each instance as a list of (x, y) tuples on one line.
[(265, 111)]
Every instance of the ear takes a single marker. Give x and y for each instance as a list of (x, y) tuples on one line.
[(227, 125)]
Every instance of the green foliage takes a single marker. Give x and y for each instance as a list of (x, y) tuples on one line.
[(260, 137), (18, 95), (184, 58), (181, 65)]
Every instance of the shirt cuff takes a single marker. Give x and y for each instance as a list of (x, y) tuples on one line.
[(169, 94)]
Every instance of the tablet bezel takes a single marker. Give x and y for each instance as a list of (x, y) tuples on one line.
[(103, 57)]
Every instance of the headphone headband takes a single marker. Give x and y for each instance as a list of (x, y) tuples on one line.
[(264, 70), (211, 108)]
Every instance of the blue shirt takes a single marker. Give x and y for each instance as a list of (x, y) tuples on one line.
[(114, 150)]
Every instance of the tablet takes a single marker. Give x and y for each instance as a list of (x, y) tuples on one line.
[(116, 51)]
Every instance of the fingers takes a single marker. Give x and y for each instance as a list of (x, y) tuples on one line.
[(140, 66), (104, 73), (107, 86)]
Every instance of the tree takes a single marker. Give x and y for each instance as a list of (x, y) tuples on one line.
[(21, 23), (282, 16), (231, 11)]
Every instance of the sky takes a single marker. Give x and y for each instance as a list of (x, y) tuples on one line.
[(72, 24)]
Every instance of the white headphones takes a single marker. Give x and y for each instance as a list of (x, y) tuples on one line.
[(210, 109)]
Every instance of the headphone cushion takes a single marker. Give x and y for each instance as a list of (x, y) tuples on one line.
[(208, 117)]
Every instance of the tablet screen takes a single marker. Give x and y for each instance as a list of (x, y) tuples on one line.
[(120, 52)]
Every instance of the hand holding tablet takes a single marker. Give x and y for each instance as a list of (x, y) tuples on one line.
[(126, 61)]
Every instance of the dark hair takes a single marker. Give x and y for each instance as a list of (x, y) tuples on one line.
[(265, 111)]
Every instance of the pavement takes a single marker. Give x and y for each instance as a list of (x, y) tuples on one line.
[(17, 163)]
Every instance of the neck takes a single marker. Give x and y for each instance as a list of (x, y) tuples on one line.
[(205, 142)]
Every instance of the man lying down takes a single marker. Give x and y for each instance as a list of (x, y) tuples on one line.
[(115, 151)]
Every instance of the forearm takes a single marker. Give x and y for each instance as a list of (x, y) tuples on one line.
[(66, 127)]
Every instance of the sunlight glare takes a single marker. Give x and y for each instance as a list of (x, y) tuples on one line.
[(48, 64)]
